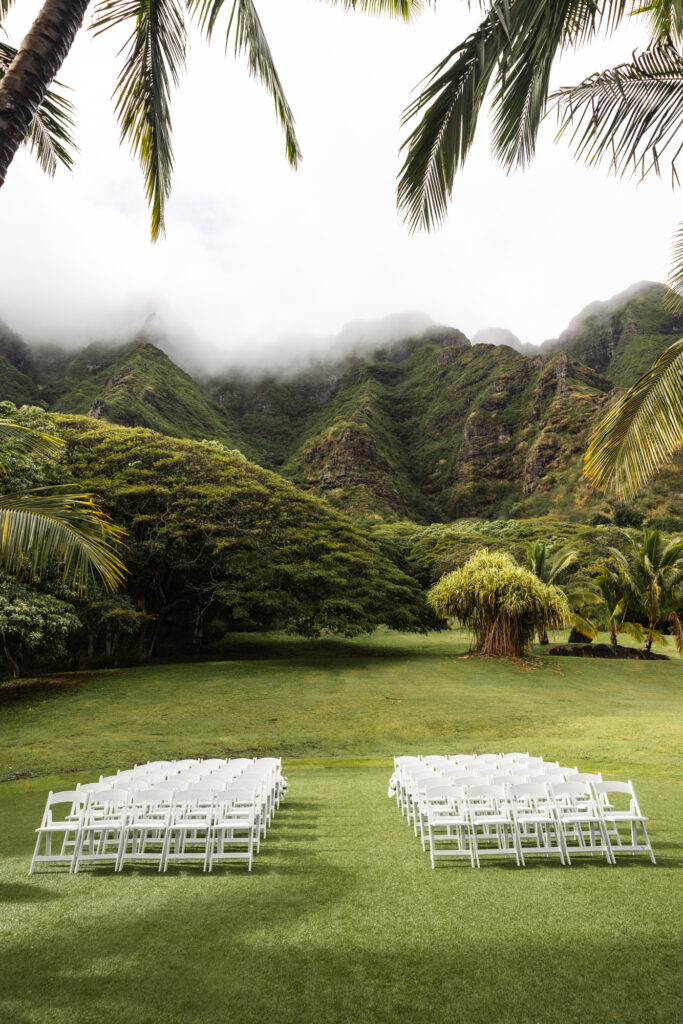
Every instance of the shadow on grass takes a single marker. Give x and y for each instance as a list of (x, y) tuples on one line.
[(238, 959), (24, 892)]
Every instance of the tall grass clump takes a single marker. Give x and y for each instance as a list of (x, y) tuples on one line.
[(502, 604)]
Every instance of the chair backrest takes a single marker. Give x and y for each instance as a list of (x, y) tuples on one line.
[(522, 790), (485, 790), (436, 760), (94, 787), (72, 801)]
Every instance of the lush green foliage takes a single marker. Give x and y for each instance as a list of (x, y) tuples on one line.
[(342, 905), (501, 603), (652, 576), (47, 527), (429, 428), (213, 536), (34, 627)]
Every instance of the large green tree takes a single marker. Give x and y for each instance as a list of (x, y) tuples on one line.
[(213, 536), (153, 61)]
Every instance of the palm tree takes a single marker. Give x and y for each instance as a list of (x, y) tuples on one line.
[(614, 599), (52, 524), (550, 566), (153, 61), (652, 574)]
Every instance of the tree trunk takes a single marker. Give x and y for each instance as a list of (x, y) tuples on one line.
[(29, 76), (612, 633), (13, 663), (543, 637), (647, 645)]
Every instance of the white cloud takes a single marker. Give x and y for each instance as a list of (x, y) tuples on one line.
[(255, 251)]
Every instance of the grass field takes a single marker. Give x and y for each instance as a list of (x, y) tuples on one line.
[(342, 920)]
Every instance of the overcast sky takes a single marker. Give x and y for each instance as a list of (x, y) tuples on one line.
[(257, 255)]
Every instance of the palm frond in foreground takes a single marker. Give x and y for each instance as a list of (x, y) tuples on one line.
[(641, 431), (51, 525)]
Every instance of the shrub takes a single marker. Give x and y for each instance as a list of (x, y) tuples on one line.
[(501, 603)]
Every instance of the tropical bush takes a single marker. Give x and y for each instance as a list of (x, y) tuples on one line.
[(34, 627), (651, 573), (501, 603)]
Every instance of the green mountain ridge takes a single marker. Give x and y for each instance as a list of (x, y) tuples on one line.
[(427, 428)]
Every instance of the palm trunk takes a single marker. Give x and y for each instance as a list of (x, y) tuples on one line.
[(647, 645), (29, 76), (612, 633)]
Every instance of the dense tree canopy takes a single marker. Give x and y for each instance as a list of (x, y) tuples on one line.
[(211, 534)]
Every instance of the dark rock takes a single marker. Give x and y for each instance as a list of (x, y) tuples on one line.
[(605, 651)]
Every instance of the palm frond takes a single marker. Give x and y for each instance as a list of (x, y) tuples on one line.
[(250, 39), (583, 625), (514, 47), (405, 10), (449, 105), (665, 18), (27, 440), (630, 115), (50, 134), (39, 528), (641, 431), (674, 298), (154, 59)]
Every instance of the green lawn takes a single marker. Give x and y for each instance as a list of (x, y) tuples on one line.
[(342, 920)]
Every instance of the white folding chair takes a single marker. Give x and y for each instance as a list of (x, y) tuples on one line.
[(581, 820), (62, 819), (99, 837), (144, 831), (448, 826), (614, 816), (188, 832), (234, 832), (536, 824), (493, 832)]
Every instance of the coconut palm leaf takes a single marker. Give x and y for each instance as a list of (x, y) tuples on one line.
[(249, 38), (50, 134), (630, 115), (405, 10), (26, 439), (42, 527), (674, 298), (449, 106), (665, 17), (154, 59), (641, 431), (513, 48)]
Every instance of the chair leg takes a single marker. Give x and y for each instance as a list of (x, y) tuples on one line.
[(35, 854)]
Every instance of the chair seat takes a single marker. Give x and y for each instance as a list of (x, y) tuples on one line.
[(490, 819), (59, 826), (446, 819), (623, 816)]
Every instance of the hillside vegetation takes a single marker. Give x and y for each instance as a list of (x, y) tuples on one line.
[(428, 428)]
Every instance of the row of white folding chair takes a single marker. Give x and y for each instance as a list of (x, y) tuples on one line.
[(534, 818), (409, 779), (467, 779), (156, 825), (111, 825), (268, 790)]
